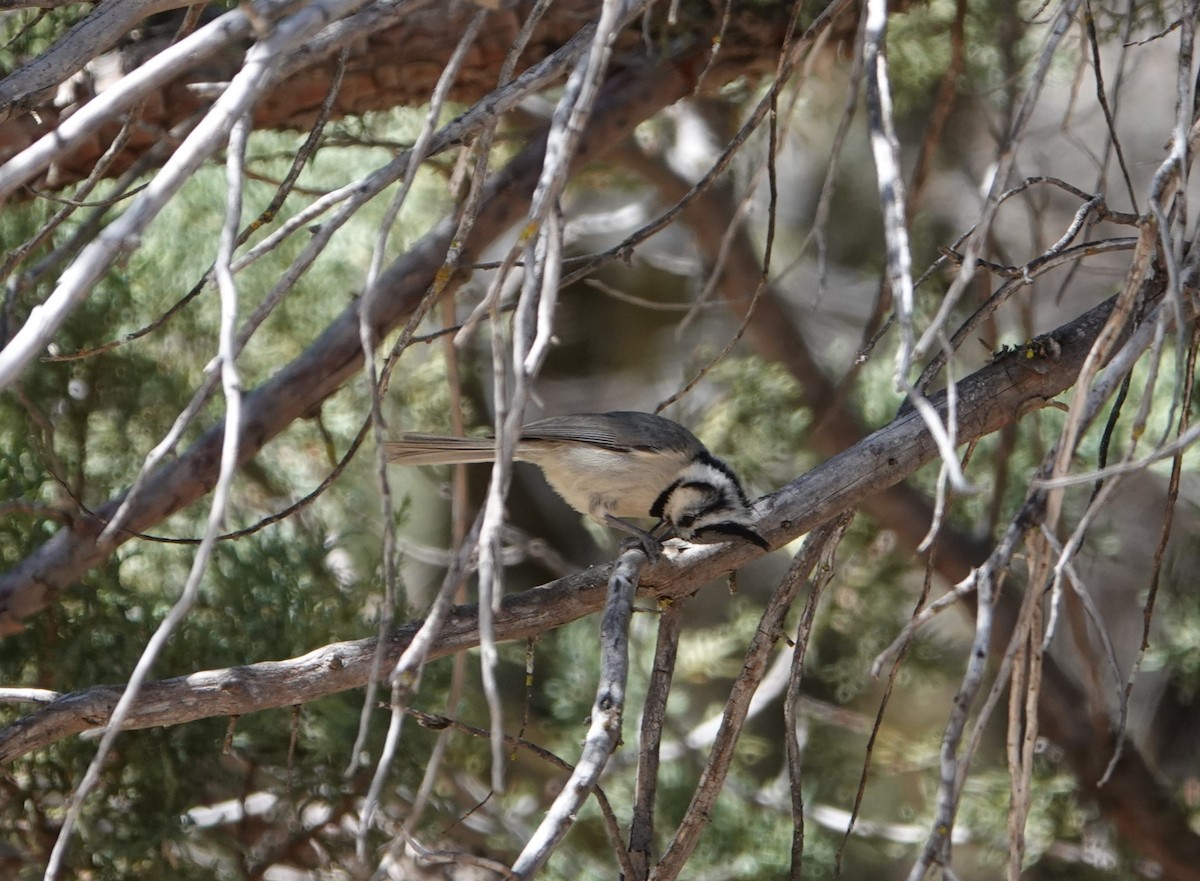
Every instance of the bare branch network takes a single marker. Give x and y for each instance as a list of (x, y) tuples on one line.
[(529, 111), (1006, 389)]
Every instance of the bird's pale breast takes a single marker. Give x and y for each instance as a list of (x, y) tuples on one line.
[(632, 480)]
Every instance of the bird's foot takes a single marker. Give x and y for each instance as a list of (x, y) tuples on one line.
[(638, 538)]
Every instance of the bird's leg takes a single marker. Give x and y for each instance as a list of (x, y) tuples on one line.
[(647, 541)]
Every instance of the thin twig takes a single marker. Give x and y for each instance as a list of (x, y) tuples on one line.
[(405, 677), (654, 711), (444, 724), (1160, 550), (1023, 733), (885, 149), (986, 582), (1110, 116), (818, 548), (1004, 162), (229, 459), (898, 652), (791, 720), (366, 332), (459, 524), (625, 247)]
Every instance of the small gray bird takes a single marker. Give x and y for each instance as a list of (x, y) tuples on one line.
[(616, 465)]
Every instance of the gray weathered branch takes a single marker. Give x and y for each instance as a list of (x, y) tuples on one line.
[(608, 711), (300, 387), (996, 395), (96, 33)]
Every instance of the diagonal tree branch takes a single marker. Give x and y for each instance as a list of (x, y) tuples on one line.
[(633, 94), (996, 395), (395, 53), (98, 31), (905, 511)]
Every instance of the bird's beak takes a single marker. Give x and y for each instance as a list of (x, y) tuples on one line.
[(729, 529)]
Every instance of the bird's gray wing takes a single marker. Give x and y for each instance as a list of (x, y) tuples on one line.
[(620, 430)]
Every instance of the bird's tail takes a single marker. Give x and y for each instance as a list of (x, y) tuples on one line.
[(436, 449)]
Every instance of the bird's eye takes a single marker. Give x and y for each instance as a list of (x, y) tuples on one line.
[(686, 521)]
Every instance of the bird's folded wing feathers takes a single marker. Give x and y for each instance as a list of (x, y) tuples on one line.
[(614, 431)]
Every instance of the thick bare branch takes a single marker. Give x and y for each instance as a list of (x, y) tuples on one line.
[(394, 60), (96, 33), (633, 94), (994, 396)]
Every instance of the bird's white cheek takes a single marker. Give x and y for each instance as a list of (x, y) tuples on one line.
[(680, 509)]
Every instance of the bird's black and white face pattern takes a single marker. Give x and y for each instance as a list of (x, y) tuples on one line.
[(706, 504)]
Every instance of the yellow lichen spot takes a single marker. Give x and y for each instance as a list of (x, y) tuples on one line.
[(528, 231), (440, 281)]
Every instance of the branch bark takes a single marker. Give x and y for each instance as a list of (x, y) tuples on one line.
[(298, 389), (997, 395), (99, 31), (394, 61), (994, 396), (608, 711)]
